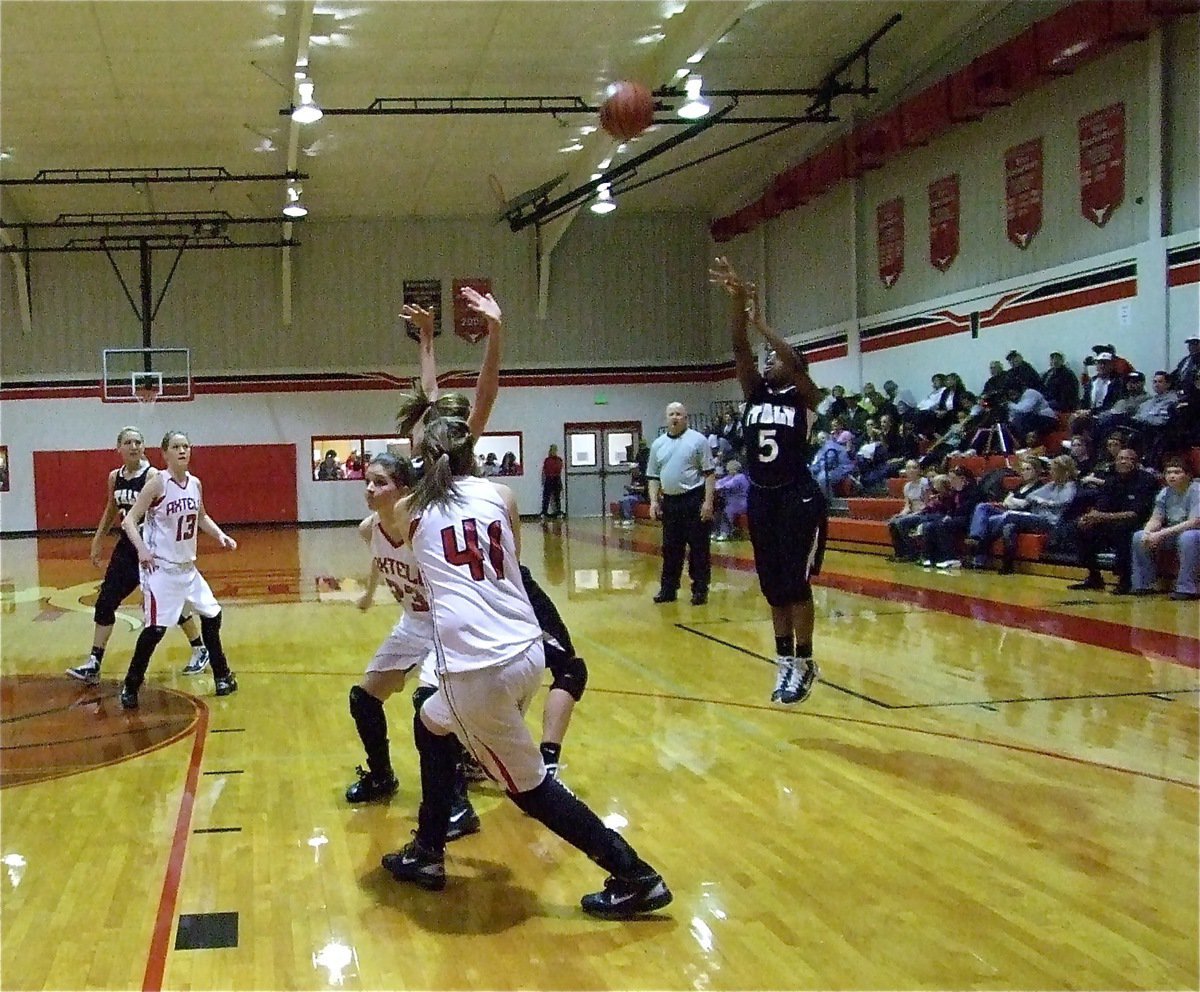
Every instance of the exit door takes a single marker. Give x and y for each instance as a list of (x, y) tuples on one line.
[(600, 458)]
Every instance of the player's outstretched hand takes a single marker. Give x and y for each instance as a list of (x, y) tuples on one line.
[(228, 543), (482, 304), (723, 274), (421, 318)]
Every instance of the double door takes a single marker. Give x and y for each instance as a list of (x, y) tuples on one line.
[(599, 460)]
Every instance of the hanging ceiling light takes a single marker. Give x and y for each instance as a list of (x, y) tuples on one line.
[(308, 112), (293, 207), (696, 106), (603, 204)]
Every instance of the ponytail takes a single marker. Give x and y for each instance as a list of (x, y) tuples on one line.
[(447, 449)]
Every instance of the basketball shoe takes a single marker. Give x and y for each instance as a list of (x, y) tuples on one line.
[(198, 661), (129, 700), (463, 820), (226, 685), (88, 672), (623, 898), (416, 863), (785, 665), (799, 682), (370, 786)]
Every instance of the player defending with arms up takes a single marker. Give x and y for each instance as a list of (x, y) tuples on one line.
[(786, 509), (172, 504)]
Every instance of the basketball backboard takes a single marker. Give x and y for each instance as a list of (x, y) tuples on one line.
[(130, 373)]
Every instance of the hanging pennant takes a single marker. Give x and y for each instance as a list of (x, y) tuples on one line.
[(889, 220), (427, 294), (943, 222), (1023, 191), (1102, 163)]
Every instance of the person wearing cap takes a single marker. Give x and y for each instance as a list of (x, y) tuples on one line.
[(1021, 375), (1103, 391), (1121, 507), (1188, 366), (1121, 366), (1059, 385)]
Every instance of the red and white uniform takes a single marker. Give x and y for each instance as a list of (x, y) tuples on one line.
[(411, 640), (169, 531), (487, 644)]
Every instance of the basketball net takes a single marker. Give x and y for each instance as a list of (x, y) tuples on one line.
[(145, 398)]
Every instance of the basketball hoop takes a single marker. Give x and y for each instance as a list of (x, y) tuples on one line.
[(146, 388), (145, 397)]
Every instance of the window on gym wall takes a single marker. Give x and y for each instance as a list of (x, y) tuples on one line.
[(500, 454), (3, 468), (336, 459)]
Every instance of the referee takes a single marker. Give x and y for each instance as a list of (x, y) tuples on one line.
[(680, 475)]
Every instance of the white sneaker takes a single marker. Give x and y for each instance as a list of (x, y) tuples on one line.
[(198, 662), (88, 672), (786, 667), (950, 563)]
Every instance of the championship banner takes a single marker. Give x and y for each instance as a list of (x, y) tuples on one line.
[(469, 325), (889, 232), (1023, 191), (943, 222), (426, 293), (1102, 163)]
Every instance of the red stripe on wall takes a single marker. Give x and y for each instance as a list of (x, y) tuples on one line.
[(1184, 275), (927, 333), (1070, 301)]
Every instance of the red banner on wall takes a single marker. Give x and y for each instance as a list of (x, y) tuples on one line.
[(943, 222), (425, 293), (467, 323), (1102, 163), (1023, 191), (889, 220)]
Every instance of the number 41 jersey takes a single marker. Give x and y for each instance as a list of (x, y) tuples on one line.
[(775, 432), (171, 522)]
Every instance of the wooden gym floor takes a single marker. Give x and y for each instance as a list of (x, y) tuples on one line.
[(993, 787)]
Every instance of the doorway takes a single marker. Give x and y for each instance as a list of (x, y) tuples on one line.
[(599, 461)]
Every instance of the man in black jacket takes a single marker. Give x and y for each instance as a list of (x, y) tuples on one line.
[(1060, 385), (1123, 504), (1021, 375)]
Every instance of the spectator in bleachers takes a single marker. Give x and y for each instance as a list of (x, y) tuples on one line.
[(636, 493), (907, 446), (1188, 366), (1060, 385), (1021, 374), (1028, 412), (918, 508), (1121, 413), (834, 404), (841, 433), (721, 449), (994, 384), (1035, 507), (1102, 391), (730, 428), (1121, 367), (890, 429), (1183, 425), (733, 492), (1121, 507), (954, 439), (871, 458), (1105, 465), (1155, 411), (1080, 450), (928, 411), (1174, 524), (329, 467), (831, 463), (943, 532), (901, 399)]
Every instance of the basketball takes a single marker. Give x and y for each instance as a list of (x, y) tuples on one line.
[(627, 111)]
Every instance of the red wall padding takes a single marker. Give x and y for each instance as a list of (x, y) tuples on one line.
[(243, 483)]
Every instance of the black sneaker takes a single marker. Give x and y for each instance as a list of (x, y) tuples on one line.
[(623, 898), (473, 770), (699, 598), (227, 685), (785, 666), (1088, 583), (463, 820), (415, 863), (662, 596), (88, 672), (800, 681), (370, 787), (129, 700)]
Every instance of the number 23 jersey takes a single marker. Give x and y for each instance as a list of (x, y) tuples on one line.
[(171, 523), (775, 431)]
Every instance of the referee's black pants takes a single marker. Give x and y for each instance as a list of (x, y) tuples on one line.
[(683, 529)]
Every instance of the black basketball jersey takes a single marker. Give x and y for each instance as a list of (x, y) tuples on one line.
[(775, 431), (126, 492)]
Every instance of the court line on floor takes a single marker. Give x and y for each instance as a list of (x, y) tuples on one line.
[(1177, 649), (883, 704), (1004, 745), (164, 920)]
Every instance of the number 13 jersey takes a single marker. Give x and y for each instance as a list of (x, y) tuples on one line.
[(775, 431), (170, 527), (466, 552)]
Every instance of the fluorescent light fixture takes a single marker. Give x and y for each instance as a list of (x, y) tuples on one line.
[(603, 204), (293, 207), (308, 112), (696, 106)]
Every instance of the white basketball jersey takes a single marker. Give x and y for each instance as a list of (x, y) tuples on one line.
[(481, 614), (398, 566), (171, 523)]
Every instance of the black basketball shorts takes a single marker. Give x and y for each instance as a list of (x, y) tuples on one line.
[(787, 530)]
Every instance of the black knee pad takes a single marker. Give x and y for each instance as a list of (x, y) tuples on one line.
[(210, 626), (105, 614), (183, 620), (570, 674), (420, 694), (363, 705), (158, 633)]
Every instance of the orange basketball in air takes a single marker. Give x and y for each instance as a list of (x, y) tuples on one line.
[(627, 111)]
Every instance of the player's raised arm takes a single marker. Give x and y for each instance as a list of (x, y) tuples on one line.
[(422, 319), (489, 372), (741, 296), (792, 360)]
